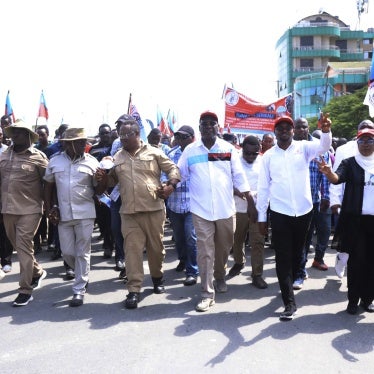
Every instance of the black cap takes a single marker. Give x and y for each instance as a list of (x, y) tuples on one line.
[(186, 130), (126, 118)]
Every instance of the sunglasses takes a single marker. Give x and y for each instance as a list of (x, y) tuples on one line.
[(367, 141), (128, 135), (181, 136)]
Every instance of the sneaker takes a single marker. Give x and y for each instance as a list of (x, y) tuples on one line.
[(22, 299), (288, 314), (205, 304), (236, 270), (122, 275), (298, 284), (340, 263), (36, 282), (320, 265), (2, 274), (7, 268), (220, 285), (119, 265)]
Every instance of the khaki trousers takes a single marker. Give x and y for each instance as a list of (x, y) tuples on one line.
[(143, 231), (75, 242), (214, 242), (20, 230), (256, 241)]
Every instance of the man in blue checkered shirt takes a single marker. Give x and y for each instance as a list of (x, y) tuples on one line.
[(321, 220), (178, 205)]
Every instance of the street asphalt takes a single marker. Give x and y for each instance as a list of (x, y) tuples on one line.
[(241, 333)]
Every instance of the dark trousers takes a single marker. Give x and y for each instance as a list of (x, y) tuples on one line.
[(289, 235), (115, 219), (6, 248), (360, 275)]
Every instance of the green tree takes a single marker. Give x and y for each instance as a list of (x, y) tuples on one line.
[(346, 112)]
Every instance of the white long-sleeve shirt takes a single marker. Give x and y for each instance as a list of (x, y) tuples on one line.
[(284, 177), (213, 173)]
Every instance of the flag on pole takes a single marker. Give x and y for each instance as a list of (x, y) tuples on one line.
[(369, 98), (43, 110), (162, 124), (133, 111), (171, 118), (8, 108)]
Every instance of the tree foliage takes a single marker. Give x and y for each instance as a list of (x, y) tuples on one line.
[(346, 112)]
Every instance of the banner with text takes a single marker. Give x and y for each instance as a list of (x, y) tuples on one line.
[(243, 114)]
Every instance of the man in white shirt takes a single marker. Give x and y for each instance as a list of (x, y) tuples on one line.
[(251, 161), (214, 169), (284, 182)]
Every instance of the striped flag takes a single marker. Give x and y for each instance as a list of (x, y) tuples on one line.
[(43, 110), (172, 120), (133, 111), (8, 108), (162, 124)]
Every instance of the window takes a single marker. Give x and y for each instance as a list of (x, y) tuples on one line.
[(341, 44), (306, 41)]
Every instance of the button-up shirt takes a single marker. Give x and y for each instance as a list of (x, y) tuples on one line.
[(179, 200), (284, 177), (139, 178), (22, 181), (213, 174), (75, 185)]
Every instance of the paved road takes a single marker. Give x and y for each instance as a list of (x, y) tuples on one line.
[(240, 334)]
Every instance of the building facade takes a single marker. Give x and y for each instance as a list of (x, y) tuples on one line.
[(319, 58)]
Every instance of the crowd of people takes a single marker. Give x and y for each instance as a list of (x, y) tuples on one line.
[(219, 196)]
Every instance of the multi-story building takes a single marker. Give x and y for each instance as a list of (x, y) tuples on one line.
[(319, 58)]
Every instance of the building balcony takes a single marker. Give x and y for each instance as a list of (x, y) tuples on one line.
[(310, 51), (319, 28)]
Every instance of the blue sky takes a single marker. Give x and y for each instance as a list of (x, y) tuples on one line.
[(88, 55)]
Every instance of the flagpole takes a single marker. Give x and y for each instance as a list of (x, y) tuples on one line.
[(128, 106)]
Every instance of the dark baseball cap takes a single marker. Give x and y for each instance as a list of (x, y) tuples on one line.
[(186, 130), (126, 118)]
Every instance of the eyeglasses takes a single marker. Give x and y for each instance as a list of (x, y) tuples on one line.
[(367, 141), (251, 153), (128, 135), (181, 136), (208, 123)]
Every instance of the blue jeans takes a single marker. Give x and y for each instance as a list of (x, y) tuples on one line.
[(185, 240), (116, 230)]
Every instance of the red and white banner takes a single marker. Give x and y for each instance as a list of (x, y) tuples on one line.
[(243, 114)]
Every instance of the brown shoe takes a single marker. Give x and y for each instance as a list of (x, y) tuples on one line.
[(236, 270), (258, 282), (320, 265)]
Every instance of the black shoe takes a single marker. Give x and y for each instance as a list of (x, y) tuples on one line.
[(22, 299), (69, 274), (181, 266), (37, 281), (120, 265), (158, 285), (132, 300), (77, 300), (368, 307), (190, 281), (352, 308), (258, 282), (289, 313), (236, 270), (122, 275)]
